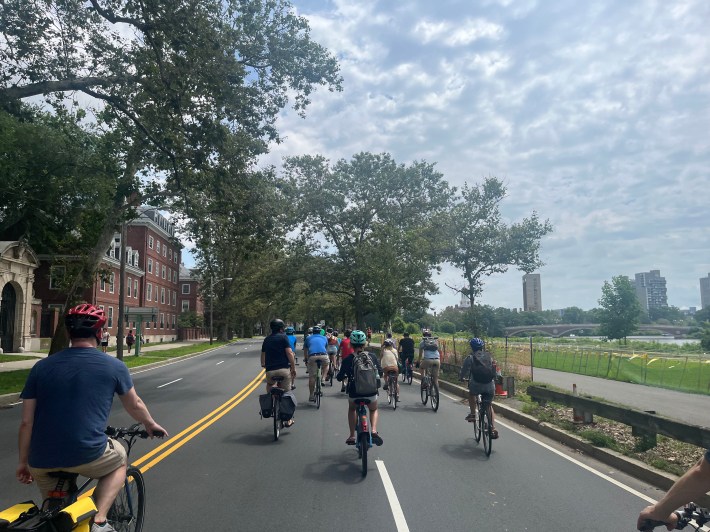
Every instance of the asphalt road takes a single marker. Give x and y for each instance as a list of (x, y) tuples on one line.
[(670, 403), (221, 469)]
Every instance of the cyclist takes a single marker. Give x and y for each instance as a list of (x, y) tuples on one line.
[(478, 370), (277, 358), (291, 334), (332, 347), (693, 484), (429, 351), (358, 339), (66, 403), (345, 349), (389, 362), (406, 350), (314, 350)]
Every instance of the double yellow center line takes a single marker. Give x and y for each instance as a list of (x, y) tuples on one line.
[(173, 444)]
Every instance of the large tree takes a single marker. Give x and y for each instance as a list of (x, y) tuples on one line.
[(481, 243), (173, 80), (620, 309), (372, 221)]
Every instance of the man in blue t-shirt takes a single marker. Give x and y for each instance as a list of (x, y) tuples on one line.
[(314, 350), (66, 403)]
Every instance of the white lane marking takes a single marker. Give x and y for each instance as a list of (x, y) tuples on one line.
[(573, 460), (171, 382), (397, 512), (218, 363)]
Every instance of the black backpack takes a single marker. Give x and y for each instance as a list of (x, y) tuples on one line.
[(482, 367), (364, 375)]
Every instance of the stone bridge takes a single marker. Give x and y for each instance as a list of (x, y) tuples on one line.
[(564, 329)]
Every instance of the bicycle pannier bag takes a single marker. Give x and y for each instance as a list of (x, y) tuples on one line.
[(287, 406), (364, 375), (265, 404), (482, 367), (430, 343)]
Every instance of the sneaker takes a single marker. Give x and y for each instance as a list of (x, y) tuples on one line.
[(105, 527)]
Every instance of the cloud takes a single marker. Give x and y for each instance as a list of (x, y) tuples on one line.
[(595, 115)]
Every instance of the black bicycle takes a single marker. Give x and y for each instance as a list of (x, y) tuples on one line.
[(407, 373), (482, 426), (125, 515), (691, 515)]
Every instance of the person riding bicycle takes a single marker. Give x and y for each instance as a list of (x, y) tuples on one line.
[(693, 484), (429, 357), (293, 340), (358, 339), (406, 350), (66, 404), (389, 362), (314, 350), (478, 370), (277, 357), (332, 346), (345, 349)]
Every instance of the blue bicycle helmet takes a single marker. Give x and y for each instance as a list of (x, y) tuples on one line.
[(477, 344)]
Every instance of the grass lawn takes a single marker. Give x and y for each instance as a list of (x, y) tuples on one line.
[(14, 381)]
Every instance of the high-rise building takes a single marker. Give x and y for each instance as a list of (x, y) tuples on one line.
[(705, 291), (532, 292), (651, 290)]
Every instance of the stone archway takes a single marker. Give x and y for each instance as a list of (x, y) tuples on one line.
[(8, 314)]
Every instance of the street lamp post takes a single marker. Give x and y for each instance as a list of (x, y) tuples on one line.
[(212, 282)]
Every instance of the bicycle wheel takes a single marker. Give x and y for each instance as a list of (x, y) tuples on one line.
[(434, 397), (364, 444), (276, 407), (128, 510), (476, 424), (425, 391), (486, 432)]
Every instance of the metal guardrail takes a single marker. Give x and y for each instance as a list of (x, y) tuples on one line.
[(644, 424)]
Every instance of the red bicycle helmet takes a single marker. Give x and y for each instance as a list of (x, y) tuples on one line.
[(85, 321)]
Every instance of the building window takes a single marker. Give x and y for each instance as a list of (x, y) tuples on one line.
[(109, 323), (157, 247), (111, 283), (150, 242), (185, 305), (129, 286), (150, 265), (149, 292), (185, 288), (163, 271), (162, 295), (135, 288), (56, 275)]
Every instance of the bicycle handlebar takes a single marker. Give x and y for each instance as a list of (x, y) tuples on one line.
[(691, 512)]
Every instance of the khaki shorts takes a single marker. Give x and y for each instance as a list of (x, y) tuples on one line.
[(312, 364), (283, 372), (432, 364), (114, 457)]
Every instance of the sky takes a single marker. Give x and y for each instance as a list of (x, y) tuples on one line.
[(596, 115)]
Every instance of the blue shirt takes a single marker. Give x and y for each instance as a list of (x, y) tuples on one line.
[(74, 391), (316, 343), (292, 340)]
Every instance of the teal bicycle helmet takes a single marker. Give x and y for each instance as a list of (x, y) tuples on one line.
[(357, 338)]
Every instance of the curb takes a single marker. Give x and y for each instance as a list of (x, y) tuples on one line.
[(8, 399), (630, 466)]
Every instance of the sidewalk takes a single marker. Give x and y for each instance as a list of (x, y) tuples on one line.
[(145, 348)]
